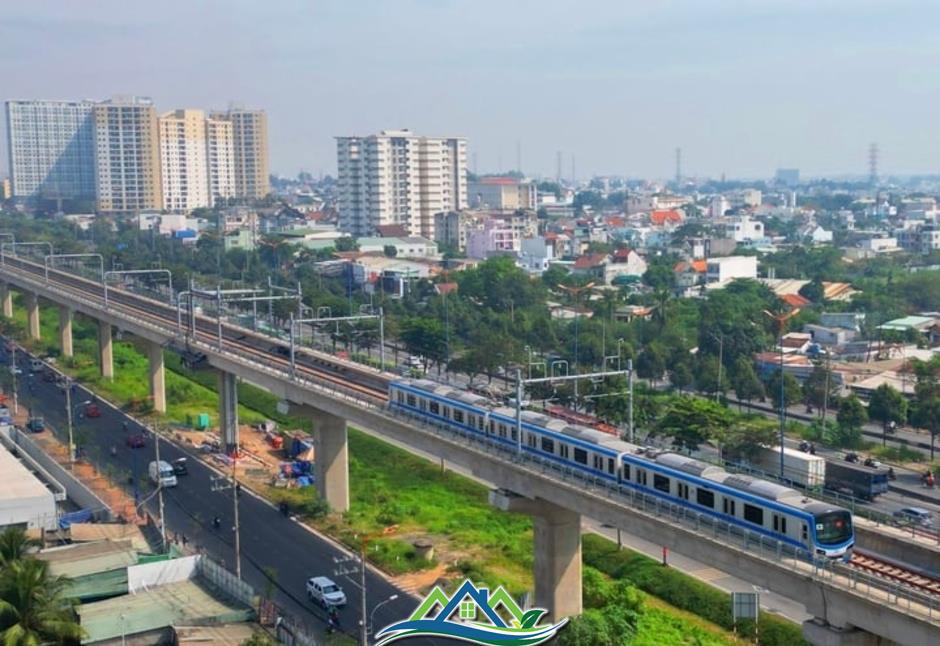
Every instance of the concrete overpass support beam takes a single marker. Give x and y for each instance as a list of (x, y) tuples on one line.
[(65, 330), (228, 411), (332, 460), (157, 377), (105, 350), (557, 552), (820, 633), (32, 315), (6, 298)]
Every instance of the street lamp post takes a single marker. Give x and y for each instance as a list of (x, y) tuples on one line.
[(781, 320), (721, 347), (372, 614)]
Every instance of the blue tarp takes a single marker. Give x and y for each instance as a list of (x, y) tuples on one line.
[(80, 516)]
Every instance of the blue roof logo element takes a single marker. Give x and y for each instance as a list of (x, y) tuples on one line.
[(454, 619)]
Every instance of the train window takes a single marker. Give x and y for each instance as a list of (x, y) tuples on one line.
[(422, 404), (804, 532), (563, 450), (471, 421), (401, 397), (445, 412), (411, 401), (435, 408), (480, 424), (458, 416), (547, 445), (502, 430), (641, 476), (626, 471), (683, 490), (530, 440), (512, 434), (660, 483), (598, 462), (580, 455), (729, 507), (780, 524), (753, 514), (610, 465), (705, 498), (492, 427)]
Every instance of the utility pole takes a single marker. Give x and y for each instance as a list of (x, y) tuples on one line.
[(156, 444), (68, 417), (16, 403), (362, 583), (630, 401), (238, 542)]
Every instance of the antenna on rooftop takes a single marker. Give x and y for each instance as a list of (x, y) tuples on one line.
[(678, 166), (873, 164)]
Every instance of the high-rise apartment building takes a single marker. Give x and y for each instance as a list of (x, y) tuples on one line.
[(250, 141), (220, 159), (398, 177), (183, 160), (51, 146), (127, 155), (196, 160)]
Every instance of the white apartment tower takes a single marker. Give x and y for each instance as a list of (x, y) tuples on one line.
[(51, 147), (196, 160), (127, 156), (398, 177), (250, 143)]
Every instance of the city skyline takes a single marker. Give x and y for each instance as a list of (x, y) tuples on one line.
[(742, 88)]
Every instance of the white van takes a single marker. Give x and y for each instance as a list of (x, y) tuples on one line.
[(164, 476)]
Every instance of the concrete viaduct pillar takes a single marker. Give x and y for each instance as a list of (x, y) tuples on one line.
[(6, 300), (157, 377), (32, 315), (228, 411), (332, 460), (820, 633), (105, 350), (557, 552), (65, 330)]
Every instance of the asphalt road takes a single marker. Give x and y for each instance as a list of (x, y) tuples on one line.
[(268, 539)]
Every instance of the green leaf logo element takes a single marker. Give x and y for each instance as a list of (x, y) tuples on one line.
[(531, 617)]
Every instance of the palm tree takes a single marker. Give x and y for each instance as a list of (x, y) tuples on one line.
[(33, 607), (13, 545)]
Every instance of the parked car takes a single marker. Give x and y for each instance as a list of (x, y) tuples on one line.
[(136, 441), (914, 516), (92, 410), (325, 592), (35, 425), (35, 365), (179, 466)]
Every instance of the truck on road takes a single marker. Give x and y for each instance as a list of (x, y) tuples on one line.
[(799, 468), (856, 479)]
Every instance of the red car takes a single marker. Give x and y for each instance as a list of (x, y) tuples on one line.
[(135, 441), (92, 410)]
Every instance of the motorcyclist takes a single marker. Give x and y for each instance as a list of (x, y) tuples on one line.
[(113, 450), (216, 522)]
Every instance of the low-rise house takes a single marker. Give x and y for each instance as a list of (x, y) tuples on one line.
[(721, 270), (829, 336), (690, 273), (409, 247), (815, 234)]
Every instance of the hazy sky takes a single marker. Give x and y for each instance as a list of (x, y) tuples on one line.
[(742, 86)]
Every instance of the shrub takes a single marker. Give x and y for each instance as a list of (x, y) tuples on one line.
[(678, 589)]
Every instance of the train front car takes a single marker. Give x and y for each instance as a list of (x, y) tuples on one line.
[(833, 530)]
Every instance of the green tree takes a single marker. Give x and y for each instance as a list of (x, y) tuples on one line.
[(816, 385), (424, 337), (259, 638), (347, 244), (747, 386), (887, 406), (680, 376), (651, 364), (791, 389), (706, 375), (33, 606), (850, 420), (390, 250), (813, 291), (14, 544), (926, 415), (743, 438), (690, 421)]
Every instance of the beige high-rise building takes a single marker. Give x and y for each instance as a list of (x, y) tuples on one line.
[(220, 158), (127, 156), (197, 160), (250, 140), (398, 177), (183, 163)]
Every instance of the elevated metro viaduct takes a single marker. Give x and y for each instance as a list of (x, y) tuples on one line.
[(849, 607)]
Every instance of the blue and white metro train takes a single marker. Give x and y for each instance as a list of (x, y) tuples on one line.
[(759, 506)]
